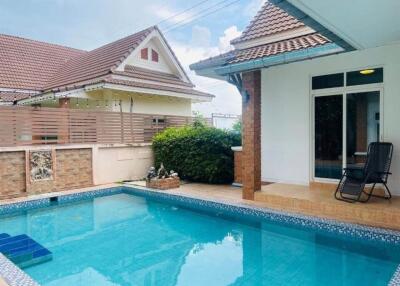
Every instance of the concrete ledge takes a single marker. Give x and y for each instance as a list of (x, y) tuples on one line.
[(69, 146), (237, 148)]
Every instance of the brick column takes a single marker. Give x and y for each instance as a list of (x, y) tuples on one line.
[(251, 142)]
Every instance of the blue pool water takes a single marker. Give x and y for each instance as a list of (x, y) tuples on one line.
[(131, 240)]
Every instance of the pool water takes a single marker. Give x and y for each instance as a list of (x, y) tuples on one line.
[(131, 240)]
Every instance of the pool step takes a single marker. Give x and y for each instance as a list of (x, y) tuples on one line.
[(23, 250), (4, 235)]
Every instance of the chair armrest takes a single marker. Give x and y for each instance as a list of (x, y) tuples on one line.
[(353, 168), (384, 173)]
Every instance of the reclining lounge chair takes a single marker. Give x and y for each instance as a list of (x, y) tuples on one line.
[(376, 170)]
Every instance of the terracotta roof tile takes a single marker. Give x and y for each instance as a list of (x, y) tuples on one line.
[(146, 74), (294, 44), (158, 87), (271, 49), (268, 21), (13, 96), (38, 66), (98, 62), (27, 64)]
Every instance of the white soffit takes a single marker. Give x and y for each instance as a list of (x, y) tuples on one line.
[(362, 23)]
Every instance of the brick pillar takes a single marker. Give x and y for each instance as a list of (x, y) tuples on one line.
[(251, 142)]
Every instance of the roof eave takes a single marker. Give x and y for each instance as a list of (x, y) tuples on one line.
[(284, 58), (312, 23)]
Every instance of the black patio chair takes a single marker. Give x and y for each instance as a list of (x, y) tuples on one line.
[(376, 170)]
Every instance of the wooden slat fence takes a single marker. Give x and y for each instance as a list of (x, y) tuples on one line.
[(34, 126)]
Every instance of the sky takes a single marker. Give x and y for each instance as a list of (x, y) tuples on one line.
[(199, 33)]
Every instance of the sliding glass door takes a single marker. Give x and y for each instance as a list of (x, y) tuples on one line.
[(328, 136), (344, 125), (363, 124)]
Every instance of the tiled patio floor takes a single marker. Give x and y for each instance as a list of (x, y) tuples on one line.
[(316, 201)]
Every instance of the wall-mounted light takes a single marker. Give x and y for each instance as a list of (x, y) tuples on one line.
[(245, 96), (367, 71)]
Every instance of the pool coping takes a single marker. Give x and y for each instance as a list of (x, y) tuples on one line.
[(350, 230), (13, 275)]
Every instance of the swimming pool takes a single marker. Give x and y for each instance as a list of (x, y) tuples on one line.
[(127, 236)]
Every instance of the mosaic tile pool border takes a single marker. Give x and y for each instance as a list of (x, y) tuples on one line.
[(14, 276), (395, 281), (239, 210), (11, 208)]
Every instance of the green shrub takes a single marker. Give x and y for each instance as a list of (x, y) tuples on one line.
[(199, 153)]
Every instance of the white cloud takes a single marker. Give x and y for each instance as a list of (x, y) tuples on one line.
[(227, 98), (225, 41), (201, 36)]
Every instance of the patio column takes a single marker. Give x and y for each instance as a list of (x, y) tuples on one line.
[(251, 141)]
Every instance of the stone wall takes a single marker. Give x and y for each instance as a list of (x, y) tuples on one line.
[(73, 167), (12, 174), (72, 170)]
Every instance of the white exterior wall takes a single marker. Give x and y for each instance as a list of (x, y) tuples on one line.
[(142, 103), (162, 65), (118, 163), (157, 105), (286, 111)]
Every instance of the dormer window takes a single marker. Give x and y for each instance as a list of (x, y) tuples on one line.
[(144, 54), (154, 56)]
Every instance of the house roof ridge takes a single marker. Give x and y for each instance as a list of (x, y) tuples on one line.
[(248, 27), (269, 20)]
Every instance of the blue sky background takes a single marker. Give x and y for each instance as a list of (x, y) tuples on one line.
[(88, 24)]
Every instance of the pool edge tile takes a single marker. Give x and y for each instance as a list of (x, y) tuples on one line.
[(13, 275), (306, 221), (395, 281)]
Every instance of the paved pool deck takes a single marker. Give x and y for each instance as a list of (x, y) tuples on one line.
[(316, 201)]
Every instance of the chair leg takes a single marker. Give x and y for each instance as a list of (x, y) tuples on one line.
[(384, 196), (369, 195), (389, 193)]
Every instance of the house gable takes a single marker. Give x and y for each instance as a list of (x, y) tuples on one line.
[(155, 54)]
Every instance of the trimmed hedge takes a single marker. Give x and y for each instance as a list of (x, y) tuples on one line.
[(199, 153)]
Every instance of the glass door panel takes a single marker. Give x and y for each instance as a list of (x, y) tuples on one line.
[(363, 126), (328, 136)]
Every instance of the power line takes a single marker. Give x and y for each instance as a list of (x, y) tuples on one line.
[(183, 12), (195, 16), (200, 15)]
